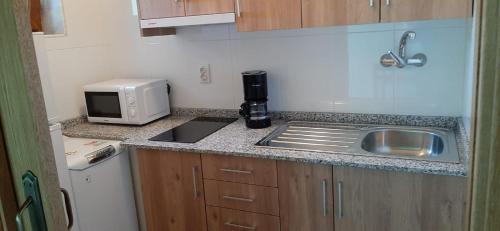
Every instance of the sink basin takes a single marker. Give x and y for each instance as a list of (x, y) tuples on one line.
[(431, 144), (403, 142)]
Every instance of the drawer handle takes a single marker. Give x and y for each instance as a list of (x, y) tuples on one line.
[(235, 171), (239, 226), (238, 198)]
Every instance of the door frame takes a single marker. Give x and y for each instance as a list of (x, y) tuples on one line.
[(485, 200)]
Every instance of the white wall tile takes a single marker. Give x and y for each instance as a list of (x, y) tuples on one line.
[(437, 87)]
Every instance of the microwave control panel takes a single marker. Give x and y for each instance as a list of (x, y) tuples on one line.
[(131, 103)]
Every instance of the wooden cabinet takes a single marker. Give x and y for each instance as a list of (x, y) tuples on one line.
[(150, 9), (255, 15), (200, 7), (375, 200), (306, 198), (259, 15), (172, 190), (240, 170), (347, 12), (409, 10), (339, 12), (291, 196)]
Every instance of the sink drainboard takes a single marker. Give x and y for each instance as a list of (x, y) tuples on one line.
[(315, 138)]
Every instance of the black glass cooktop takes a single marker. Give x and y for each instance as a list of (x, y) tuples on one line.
[(194, 130)]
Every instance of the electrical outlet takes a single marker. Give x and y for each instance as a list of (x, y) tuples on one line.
[(205, 74)]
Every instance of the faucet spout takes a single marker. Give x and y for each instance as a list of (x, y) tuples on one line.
[(404, 40)]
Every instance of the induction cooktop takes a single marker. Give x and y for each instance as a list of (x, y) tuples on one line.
[(194, 130)]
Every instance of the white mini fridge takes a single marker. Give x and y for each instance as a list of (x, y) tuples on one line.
[(102, 185)]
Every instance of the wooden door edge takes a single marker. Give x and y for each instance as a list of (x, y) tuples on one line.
[(8, 200)]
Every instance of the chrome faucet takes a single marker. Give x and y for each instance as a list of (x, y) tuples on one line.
[(404, 40), (400, 60)]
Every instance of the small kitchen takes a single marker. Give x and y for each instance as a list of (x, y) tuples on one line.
[(221, 115)]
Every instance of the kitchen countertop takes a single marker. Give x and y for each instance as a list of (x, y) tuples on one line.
[(237, 140)]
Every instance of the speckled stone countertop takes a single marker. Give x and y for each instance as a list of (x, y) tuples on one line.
[(237, 140)]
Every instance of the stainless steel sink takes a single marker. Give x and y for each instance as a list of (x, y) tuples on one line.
[(403, 142), (433, 144)]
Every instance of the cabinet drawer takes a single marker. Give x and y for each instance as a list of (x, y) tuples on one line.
[(245, 197), (240, 170), (221, 219)]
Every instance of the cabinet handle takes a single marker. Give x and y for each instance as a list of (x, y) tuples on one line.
[(387, 2), (237, 198), (235, 171), (238, 12), (371, 2), (340, 198), (195, 187), (325, 200), (239, 226)]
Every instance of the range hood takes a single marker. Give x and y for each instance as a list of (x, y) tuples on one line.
[(188, 20)]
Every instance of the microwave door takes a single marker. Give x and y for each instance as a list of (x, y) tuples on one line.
[(103, 104)]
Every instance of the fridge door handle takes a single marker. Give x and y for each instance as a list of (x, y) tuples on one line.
[(69, 210)]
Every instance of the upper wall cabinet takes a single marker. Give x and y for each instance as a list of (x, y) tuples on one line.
[(199, 7), (150, 9), (409, 10), (261, 15), (339, 12), (347, 12), (255, 15)]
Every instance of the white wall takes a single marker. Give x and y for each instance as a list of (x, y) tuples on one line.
[(332, 69)]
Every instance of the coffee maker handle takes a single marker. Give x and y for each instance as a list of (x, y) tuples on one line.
[(245, 110)]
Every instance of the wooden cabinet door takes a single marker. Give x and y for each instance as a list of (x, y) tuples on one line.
[(255, 15), (408, 10), (172, 190), (200, 7), (339, 12), (150, 9), (375, 200), (305, 195)]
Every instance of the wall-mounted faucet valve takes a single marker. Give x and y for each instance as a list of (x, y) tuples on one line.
[(399, 60)]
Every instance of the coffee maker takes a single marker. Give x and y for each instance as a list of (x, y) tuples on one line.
[(254, 109)]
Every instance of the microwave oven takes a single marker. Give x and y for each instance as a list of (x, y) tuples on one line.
[(127, 101)]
